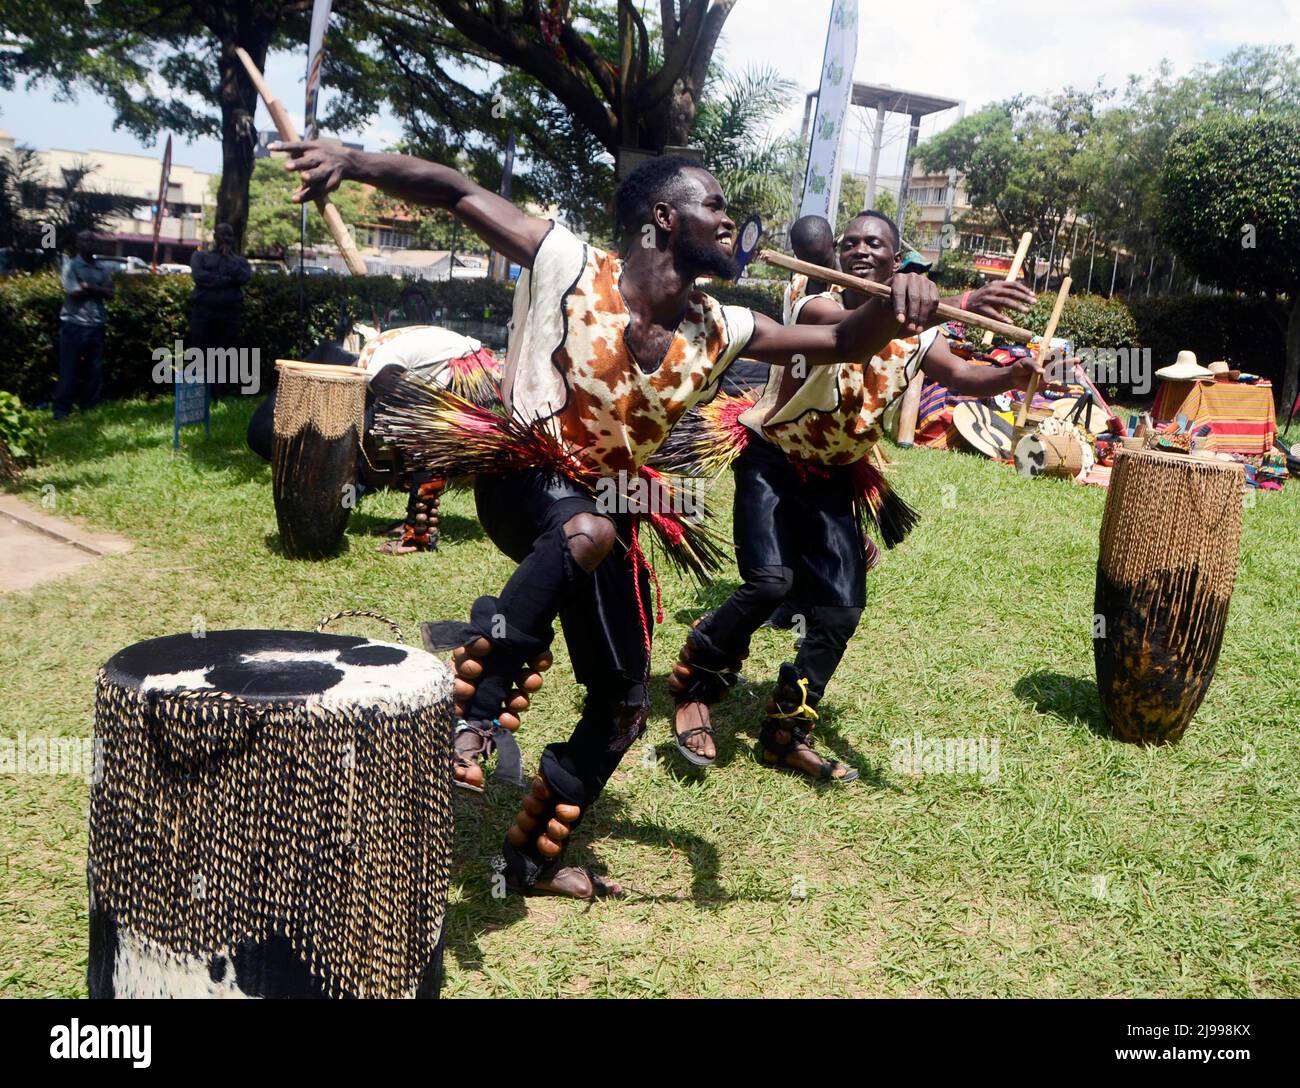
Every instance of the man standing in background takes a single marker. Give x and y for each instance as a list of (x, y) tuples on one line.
[(217, 303), (87, 285)]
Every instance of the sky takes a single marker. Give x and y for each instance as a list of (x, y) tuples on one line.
[(956, 50)]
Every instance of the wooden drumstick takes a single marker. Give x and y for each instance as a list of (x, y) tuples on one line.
[(1013, 273), (882, 290), (284, 126), (1044, 348), (909, 410)]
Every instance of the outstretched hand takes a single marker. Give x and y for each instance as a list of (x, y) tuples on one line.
[(996, 299), (322, 166), (1051, 371), (915, 300)]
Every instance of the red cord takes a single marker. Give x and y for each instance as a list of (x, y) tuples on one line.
[(638, 561)]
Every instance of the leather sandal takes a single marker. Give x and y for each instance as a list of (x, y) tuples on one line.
[(571, 882), (788, 729), (474, 744)]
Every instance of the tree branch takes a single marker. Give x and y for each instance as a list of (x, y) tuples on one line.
[(678, 58), (540, 63)]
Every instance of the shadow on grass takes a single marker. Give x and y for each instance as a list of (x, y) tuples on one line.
[(1072, 699), (483, 909), (743, 718), (452, 528), (275, 545)]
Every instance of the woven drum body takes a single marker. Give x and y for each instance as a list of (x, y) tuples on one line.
[(1169, 543), (273, 818), (319, 423)]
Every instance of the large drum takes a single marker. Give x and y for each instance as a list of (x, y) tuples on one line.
[(320, 418), (272, 818), (1169, 543)]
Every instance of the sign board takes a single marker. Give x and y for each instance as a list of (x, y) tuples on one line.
[(191, 404)]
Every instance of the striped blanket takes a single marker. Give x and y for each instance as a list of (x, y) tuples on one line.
[(1241, 415)]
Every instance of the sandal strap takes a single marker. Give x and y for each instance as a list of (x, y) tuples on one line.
[(707, 730)]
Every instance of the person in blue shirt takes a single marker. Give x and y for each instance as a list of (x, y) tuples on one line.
[(87, 286)]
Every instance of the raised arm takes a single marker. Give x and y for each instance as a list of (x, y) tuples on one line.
[(493, 218), (825, 336)]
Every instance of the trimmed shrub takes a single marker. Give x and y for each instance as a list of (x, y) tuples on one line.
[(1250, 333), (151, 312)]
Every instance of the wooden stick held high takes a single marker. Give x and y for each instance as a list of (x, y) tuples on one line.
[(1044, 347), (1013, 273), (284, 126), (881, 290)]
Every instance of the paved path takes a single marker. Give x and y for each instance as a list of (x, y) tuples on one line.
[(35, 546)]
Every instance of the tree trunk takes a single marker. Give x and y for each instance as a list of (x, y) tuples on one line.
[(238, 101), (1291, 367)]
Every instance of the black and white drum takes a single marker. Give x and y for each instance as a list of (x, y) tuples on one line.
[(272, 818)]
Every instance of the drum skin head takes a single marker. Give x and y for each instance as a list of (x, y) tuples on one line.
[(272, 666)]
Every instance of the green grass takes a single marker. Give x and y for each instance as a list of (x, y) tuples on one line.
[(1088, 868)]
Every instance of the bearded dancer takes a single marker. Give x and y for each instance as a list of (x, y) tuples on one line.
[(607, 354), (802, 481)]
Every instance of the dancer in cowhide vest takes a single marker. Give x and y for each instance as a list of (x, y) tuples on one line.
[(606, 354), (804, 492)]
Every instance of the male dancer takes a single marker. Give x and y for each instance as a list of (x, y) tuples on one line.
[(610, 354), (796, 522)]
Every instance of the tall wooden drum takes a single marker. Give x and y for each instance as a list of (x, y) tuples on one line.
[(320, 419), (272, 818), (1169, 543)]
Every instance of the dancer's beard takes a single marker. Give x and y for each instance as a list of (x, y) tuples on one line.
[(705, 260)]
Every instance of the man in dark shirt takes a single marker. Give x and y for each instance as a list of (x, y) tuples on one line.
[(82, 321), (218, 299)]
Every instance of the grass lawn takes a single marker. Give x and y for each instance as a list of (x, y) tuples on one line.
[(1086, 868)]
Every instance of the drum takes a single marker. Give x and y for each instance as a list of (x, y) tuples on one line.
[(320, 412), (271, 818), (1169, 542), (1060, 455)]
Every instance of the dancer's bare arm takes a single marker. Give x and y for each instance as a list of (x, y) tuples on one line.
[(493, 218), (968, 380), (827, 336)]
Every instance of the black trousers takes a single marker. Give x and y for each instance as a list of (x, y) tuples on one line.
[(81, 362), (215, 330), (798, 537), (607, 634)]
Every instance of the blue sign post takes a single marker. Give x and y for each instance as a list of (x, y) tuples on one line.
[(191, 404)]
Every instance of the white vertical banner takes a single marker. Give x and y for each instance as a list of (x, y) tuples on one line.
[(821, 188), (320, 17)]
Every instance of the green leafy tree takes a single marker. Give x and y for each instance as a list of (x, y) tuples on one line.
[(1125, 154), (274, 220), (755, 171), (1020, 162), (1231, 209)]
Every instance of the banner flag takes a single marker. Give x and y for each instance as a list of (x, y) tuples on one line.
[(821, 190)]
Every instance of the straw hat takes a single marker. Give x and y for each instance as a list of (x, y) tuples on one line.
[(1184, 369), (1219, 366)]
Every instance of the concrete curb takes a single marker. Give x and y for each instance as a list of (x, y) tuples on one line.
[(62, 530)]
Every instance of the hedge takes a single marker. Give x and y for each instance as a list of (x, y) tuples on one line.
[(152, 311), (1247, 332)]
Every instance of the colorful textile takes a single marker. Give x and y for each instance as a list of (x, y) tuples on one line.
[(1241, 415), (568, 363)]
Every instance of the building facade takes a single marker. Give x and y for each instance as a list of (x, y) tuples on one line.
[(136, 178)]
